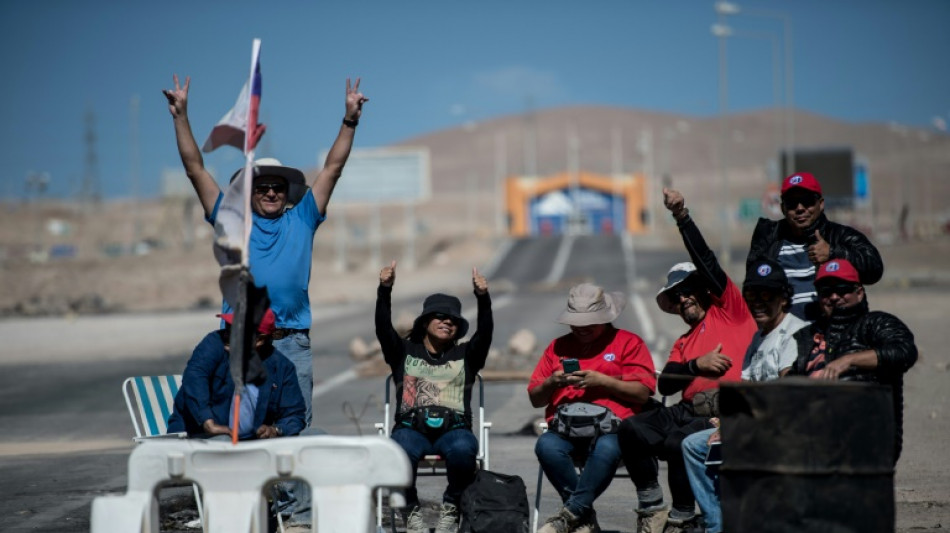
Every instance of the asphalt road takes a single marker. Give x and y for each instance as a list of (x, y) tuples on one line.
[(66, 433)]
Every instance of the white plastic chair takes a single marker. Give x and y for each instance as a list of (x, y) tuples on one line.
[(432, 465), (150, 400)]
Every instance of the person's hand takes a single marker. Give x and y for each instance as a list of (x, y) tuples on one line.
[(178, 98), (354, 100), (479, 282), (674, 202), (832, 370), (819, 251), (559, 379), (715, 436), (210, 427), (714, 362), (267, 432), (586, 379), (387, 276)]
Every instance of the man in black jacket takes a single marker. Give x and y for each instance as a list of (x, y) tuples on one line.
[(805, 239), (850, 342)]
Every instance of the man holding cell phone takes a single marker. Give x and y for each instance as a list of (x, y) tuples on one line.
[(597, 370)]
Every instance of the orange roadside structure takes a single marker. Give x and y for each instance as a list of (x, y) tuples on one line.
[(541, 205)]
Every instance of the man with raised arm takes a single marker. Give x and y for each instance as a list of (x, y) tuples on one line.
[(711, 351), (286, 213)]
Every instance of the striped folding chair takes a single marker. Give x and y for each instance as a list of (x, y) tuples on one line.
[(150, 400)]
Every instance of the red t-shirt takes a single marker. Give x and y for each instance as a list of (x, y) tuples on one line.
[(727, 321), (617, 353)]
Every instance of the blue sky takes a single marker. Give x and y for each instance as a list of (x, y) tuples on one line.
[(428, 65)]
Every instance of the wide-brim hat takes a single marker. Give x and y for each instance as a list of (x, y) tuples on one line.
[(678, 274), (440, 303), (269, 166), (588, 304)]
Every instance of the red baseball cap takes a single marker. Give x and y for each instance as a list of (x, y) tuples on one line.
[(840, 269), (267, 326), (802, 180)]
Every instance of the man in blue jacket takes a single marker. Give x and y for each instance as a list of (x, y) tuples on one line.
[(271, 407)]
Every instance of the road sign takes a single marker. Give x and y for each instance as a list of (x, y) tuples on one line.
[(384, 175)]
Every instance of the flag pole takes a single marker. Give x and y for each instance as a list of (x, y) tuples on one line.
[(240, 323)]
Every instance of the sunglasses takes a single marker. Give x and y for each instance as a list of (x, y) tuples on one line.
[(841, 290), (262, 188), (760, 296), (442, 317), (683, 292), (806, 201)]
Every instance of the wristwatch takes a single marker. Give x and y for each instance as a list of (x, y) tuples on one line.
[(351, 123)]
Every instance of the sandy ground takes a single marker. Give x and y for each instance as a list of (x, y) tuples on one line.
[(176, 289)]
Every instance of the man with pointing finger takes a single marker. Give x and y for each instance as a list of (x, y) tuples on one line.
[(712, 350), (805, 239)]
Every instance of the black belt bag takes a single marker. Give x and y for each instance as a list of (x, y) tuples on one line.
[(432, 420)]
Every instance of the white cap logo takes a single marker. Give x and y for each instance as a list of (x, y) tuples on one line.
[(795, 180), (610, 357), (764, 270), (832, 267)]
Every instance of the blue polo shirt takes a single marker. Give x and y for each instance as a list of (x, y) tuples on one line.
[(281, 250)]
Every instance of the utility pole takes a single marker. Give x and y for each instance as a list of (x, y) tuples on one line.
[(501, 169), (530, 139), (134, 171), (89, 193)]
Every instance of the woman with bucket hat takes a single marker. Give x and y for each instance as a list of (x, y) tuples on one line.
[(434, 373), (600, 370)]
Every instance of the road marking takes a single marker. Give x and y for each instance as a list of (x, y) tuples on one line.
[(500, 256), (57, 447), (639, 308), (560, 260), (499, 303), (646, 323), (334, 382)]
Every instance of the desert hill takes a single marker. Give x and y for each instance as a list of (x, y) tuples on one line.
[(59, 258)]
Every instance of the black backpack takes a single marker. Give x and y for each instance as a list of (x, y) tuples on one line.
[(494, 503)]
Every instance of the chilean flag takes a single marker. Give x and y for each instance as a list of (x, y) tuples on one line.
[(239, 127)]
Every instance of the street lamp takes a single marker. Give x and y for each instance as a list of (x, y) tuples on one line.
[(721, 31), (730, 8)]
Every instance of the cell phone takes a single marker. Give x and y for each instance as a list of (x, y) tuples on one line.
[(714, 456), (570, 365)]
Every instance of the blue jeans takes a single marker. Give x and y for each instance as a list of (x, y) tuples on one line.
[(293, 497), (296, 347), (458, 447), (704, 480), (578, 492)]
